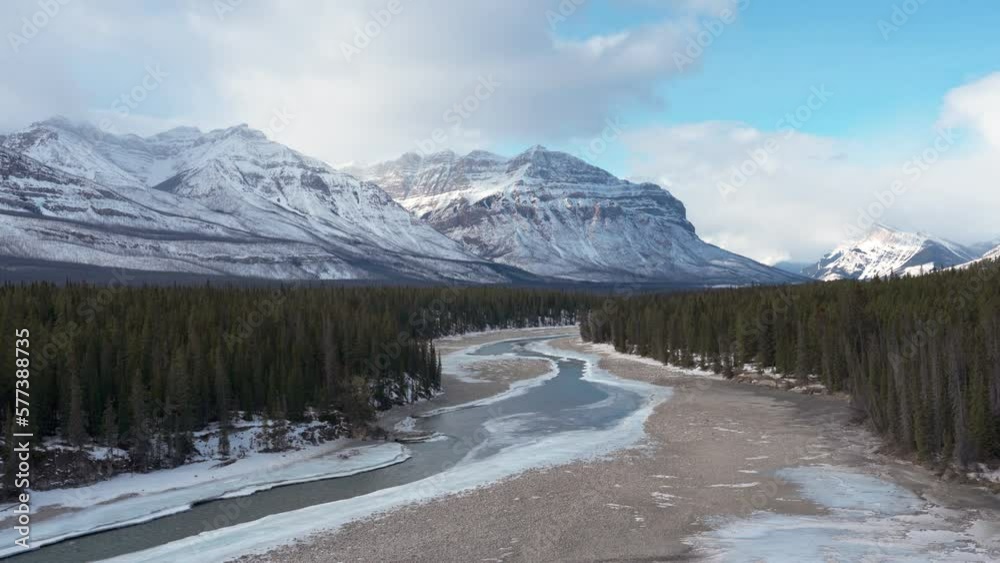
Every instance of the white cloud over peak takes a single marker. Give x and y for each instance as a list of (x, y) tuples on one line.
[(782, 194), (362, 79), (977, 106)]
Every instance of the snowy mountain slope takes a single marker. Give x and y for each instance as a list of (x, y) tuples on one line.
[(555, 215), (992, 254), (230, 201), (884, 251), (412, 175), (72, 148), (984, 248), (51, 215)]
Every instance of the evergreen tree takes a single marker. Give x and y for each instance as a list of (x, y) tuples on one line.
[(75, 431), (109, 425), (139, 423)]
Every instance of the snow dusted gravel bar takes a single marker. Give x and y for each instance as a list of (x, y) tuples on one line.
[(726, 472)]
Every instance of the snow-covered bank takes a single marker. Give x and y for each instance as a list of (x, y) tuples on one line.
[(488, 332), (593, 372), (670, 370), (748, 373), (543, 451), (516, 388), (610, 351), (868, 519), (459, 364), (135, 498), (985, 474)]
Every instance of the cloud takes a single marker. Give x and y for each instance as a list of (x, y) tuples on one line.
[(781, 194), (365, 89), (364, 79), (976, 106)]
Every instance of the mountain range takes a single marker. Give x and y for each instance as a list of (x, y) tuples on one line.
[(226, 202), (231, 202), (884, 251), (555, 215)]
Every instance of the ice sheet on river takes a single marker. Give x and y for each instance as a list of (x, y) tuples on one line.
[(135, 498)]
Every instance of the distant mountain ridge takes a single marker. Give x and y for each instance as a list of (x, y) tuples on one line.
[(990, 254), (555, 215), (231, 202), (226, 202), (884, 251), (412, 175), (985, 247)]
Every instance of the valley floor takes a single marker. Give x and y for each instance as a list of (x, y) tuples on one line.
[(728, 472)]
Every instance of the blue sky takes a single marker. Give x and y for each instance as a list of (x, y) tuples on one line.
[(764, 65), (361, 86)]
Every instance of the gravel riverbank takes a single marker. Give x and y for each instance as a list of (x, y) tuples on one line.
[(710, 457)]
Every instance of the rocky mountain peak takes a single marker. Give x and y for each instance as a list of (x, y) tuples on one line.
[(886, 251), (553, 214)]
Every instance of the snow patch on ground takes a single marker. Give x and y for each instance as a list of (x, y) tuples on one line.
[(457, 363), (516, 389), (593, 372), (734, 485), (669, 370), (982, 472), (408, 424), (490, 330), (869, 520)]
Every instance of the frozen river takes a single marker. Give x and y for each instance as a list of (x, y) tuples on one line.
[(575, 411)]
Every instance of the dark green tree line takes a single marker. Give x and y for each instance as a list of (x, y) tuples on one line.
[(127, 365), (919, 356)]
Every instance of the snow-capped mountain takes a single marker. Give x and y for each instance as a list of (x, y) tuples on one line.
[(555, 215), (229, 202), (884, 251), (412, 175), (991, 254), (984, 248)]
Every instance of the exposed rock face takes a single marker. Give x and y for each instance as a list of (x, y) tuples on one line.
[(227, 202), (555, 215)]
